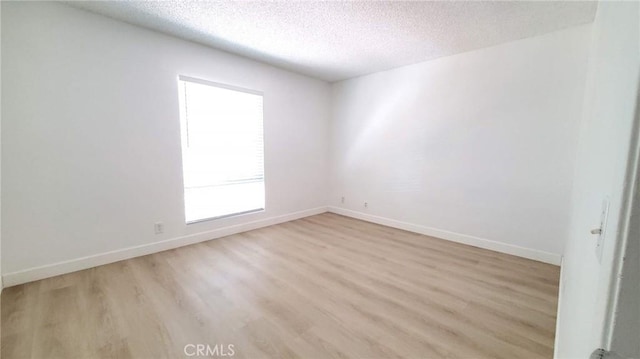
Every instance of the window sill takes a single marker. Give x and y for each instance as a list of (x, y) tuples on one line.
[(257, 210)]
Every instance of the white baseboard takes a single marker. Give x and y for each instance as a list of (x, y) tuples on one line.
[(546, 257), (51, 270)]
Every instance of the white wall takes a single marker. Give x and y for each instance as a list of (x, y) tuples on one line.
[(604, 145), (91, 142), (476, 147)]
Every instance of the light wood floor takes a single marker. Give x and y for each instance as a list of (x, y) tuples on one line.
[(321, 287)]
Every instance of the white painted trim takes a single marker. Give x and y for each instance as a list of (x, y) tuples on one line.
[(558, 318), (51, 270), (534, 254)]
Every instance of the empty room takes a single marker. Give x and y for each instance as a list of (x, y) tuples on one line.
[(320, 179)]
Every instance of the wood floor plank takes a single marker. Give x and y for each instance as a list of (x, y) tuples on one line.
[(325, 286)]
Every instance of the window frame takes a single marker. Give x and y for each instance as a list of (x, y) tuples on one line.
[(183, 133)]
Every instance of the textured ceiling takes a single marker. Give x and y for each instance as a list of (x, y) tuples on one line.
[(338, 40)]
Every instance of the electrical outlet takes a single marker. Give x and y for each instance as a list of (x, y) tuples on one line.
[(158, 228), (366, 205), (342, 200)]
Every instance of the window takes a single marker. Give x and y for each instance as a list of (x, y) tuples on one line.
[(222, 149)]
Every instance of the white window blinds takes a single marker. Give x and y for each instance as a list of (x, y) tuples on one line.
[(222, 149)]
